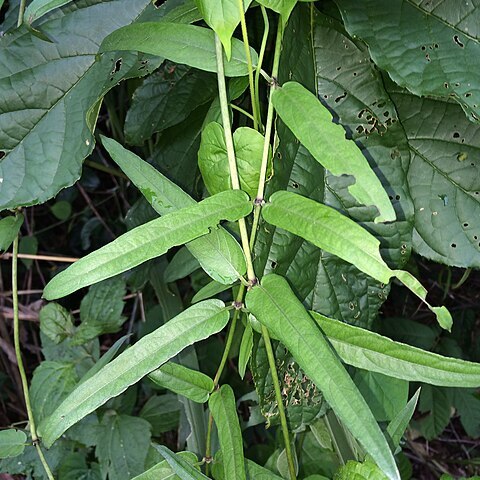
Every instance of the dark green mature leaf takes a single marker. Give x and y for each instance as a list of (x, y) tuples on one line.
[(252, 469), (371, 351), (48, 95), (436, 403), (467, 404), (148, 241), (162, 412), (166, 98), (9, 228), (56, 322), (342, 237), (182, 380), (163, 471), (12, 443), (180, 466), (275, 305), (74, 467), (224, 411), (312, 124), (210, 290), (38, 8), (186, 44), (223, 18), (151, 351), (122, 446), (442, 39), (218, 253)]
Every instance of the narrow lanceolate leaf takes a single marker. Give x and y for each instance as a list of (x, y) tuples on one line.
[(54, 98), (442, 39), (312, 124), (218, 253), (151, 351), (12, 443), (184, 469), (163, 471), (371, 351), (274, 304), (330, 230), (188, 44), (38, 8), (148, 241), (223, 17), (224, 412), (183, 380)]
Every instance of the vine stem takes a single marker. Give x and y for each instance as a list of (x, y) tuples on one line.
[(18, 355), (261, 55), (21, 11), (253, 92)]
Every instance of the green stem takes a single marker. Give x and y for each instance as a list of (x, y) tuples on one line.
[(18, 355), (241, 110), (232, 163), (104, 168), (279, 399), (21, 11), (261, 55), (256, 118)]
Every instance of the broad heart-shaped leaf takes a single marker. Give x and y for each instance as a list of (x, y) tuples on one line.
[(182, 380), (188, 44), (330, 230), (148, 241), (432, 50), (354, 90), (443, 178), (371, 351), (283, 7), (166, 98), (179, 465), (48, 95), (213, 160), (223, 18), (275, 305), (224, 412), (218, 253), (12, 443), (122, 446), (38, 8), (312, 124), (194, 324)]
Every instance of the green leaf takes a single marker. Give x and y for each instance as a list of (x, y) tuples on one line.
[(38, 8), (275, 305), (467, 404), (101, 310), (122, 446), (62, 209), (162, 412), (252, 469), (218, 253), (151, 351), (149, 241), (396, 428), (56, 322), (9, 228), (312, 124), (188, 44), (371, 351), (210, 290), (342, 237), (163, 471), (441, 41), (51, 383), (224, 411), (223, 18), (213, 160), (74, 467), (12, 443), (245, 352), (54, 99), (181, 467), (182, 380), (436, 402), (283, 7), (28, 245), (180, 266), (359, 471), (166, 98)]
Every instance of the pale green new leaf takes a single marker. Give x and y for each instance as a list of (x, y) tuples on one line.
[(151, 351), (371, 351), (283, 7), (180, 466), (183, 380), (275, 305), (218, 253), (245, 349), (163, 471), (330, 230), (12, 443), (188, 44), (359, 471), (38, 8), (223, 17), (148, 241), (9, 228), (442, 39), (396, 428), (224, 412), (312, 124)]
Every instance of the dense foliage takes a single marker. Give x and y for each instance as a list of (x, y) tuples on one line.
[(245, 183)]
